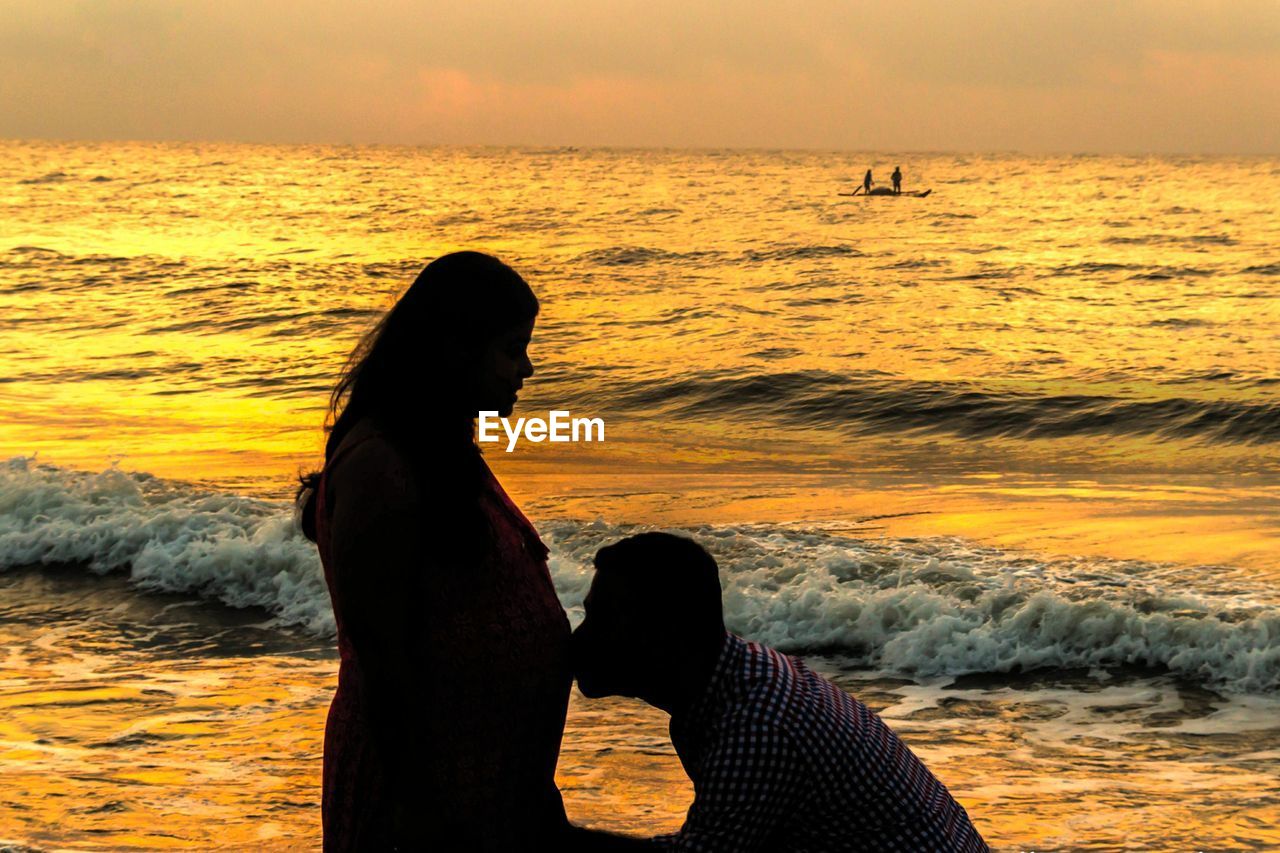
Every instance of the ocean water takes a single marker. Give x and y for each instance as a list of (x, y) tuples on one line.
[(1002, 461)]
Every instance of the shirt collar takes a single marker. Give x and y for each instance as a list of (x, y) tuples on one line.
[(732, 652)]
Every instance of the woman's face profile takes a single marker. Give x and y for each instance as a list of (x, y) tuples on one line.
[(503, 368)]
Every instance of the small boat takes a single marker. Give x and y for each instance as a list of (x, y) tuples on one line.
[(887, 191)]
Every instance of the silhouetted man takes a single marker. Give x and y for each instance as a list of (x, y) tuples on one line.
[(897, 180), (866, 182), (781, 759)]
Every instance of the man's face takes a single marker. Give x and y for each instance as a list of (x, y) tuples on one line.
[(610, 655)]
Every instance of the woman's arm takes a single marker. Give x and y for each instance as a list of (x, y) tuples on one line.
[(380, 556)]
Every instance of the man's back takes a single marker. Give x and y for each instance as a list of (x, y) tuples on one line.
[(783, 760)]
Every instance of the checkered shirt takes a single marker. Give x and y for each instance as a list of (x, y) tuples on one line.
[(783, 760)]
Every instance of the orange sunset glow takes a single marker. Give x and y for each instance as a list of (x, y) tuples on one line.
[(951, 331)]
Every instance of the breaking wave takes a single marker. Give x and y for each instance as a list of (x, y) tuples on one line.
[(923, 607)]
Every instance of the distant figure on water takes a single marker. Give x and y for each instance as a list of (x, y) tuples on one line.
[(454, 671), (866, 182), (782, 760), (897, 180)]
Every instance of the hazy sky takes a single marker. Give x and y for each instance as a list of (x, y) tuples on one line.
[(1199, 76)]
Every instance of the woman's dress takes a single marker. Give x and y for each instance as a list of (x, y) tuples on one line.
[(495, 639)]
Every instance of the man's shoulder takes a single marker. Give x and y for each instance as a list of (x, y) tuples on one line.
[(779, 692), (772, 687), (768, 673)]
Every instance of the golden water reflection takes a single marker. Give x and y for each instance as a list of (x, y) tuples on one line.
[(187, 315), (144, 722)]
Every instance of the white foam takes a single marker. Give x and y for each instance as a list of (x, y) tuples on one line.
[(945, 606), (924, 607), (168, 536)]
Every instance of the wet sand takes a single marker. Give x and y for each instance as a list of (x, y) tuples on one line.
[(151, 722)]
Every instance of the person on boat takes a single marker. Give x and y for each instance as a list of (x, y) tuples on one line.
[(454, 673), (866, 182), (781, 759), (897, 180)]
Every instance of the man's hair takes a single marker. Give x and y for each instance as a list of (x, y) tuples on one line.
[(672, 575)]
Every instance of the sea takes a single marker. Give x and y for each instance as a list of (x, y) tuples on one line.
[(1001, 460)]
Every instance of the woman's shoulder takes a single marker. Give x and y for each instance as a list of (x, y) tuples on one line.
[(368, 462)]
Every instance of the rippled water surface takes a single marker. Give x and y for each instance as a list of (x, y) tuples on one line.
[(182, 303), (1002, 460)]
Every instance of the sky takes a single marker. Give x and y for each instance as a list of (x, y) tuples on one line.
[(1089, 76)]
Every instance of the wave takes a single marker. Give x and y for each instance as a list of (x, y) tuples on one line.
[(921, 607), (50, 178), (947, 607), (616, 256), (784, 252), (1088, 268), (827, 400), (1172, 240), (168, 536), (1165, 273)]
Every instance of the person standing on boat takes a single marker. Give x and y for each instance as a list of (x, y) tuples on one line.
[(866, 182), (897, 180)]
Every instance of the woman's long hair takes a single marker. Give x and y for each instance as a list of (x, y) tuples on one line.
[(413, 374)]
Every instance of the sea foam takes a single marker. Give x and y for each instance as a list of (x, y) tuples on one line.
[(923, 607), (168, 536)]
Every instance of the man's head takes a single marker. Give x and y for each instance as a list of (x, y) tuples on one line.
[(654, 606)]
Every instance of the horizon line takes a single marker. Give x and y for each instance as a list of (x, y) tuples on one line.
[(617, 147)]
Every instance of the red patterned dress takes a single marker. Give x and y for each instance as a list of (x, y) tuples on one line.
[(496, 641)]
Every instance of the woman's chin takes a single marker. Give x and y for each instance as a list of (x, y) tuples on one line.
[(502, 402), (504, 409)]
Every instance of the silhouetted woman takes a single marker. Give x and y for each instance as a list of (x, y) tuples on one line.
[(454, 676)]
